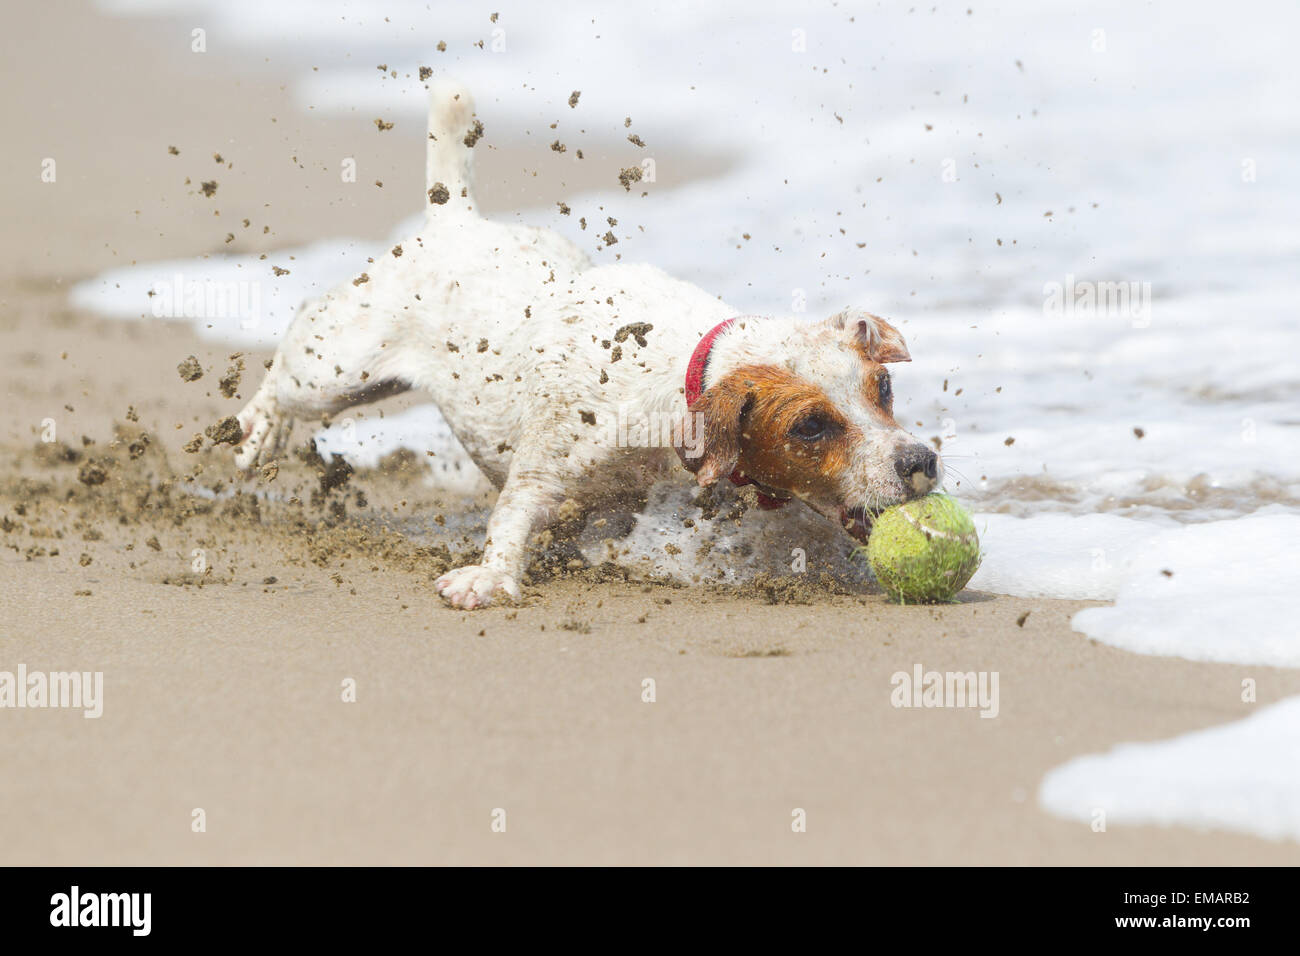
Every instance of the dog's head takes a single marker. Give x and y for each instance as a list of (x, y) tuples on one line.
[(808, 409)]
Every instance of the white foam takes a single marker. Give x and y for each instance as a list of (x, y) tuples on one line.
[(1243, 776), (1081, 557), (1220, 591), (1216, 591)]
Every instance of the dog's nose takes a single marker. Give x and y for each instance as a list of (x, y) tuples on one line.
[(918, 466)]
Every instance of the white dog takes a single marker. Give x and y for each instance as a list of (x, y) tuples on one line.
[(566, 382)]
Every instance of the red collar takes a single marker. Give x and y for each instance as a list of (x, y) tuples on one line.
[(695, 370)]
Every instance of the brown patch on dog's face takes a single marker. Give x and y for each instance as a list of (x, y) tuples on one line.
[(819, 426), (777, 429), (718, 414), (878, 392), (792, 436)]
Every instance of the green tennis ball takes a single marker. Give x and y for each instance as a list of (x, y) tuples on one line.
[(924, 551)]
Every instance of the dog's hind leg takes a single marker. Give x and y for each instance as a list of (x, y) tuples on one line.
[(333, 357), (340, 351)]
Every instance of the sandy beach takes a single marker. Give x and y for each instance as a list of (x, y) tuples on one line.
[(230, 627)]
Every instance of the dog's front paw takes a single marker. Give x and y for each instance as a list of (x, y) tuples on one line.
[(476, 586), (265, 436)]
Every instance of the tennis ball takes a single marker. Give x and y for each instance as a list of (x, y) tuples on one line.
[(924, 551)]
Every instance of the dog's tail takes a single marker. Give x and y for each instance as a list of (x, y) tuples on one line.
[(449, 164)]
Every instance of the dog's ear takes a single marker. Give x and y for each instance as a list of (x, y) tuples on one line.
[(877, 339), (709, 440)]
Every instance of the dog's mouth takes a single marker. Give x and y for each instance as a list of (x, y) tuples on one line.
[(858, 521)]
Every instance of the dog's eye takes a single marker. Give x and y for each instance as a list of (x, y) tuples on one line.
[(886, 390), (810, 428)]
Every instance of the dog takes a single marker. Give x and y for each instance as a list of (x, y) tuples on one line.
[(568, 383)]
